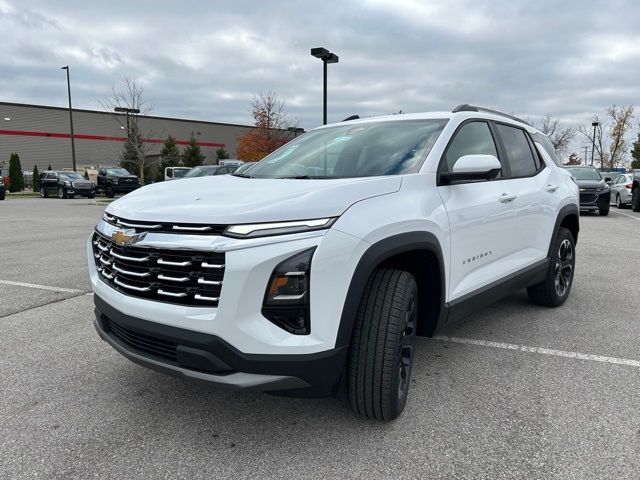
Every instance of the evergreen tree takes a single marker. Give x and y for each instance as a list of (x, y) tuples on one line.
[(49, 167), (86, 174), (221, 154), (169, 157), (133, 158), (16, 179), (35, 179), (635, 153), (192, 155)]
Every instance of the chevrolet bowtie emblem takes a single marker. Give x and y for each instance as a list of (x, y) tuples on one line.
[(582, 189), (125, 237)]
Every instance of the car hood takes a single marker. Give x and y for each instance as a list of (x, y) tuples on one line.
[(591, 183), (227, 199)]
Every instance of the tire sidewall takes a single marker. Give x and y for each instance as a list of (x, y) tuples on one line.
[(563, 234)]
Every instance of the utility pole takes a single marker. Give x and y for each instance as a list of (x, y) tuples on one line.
[(73, 143), (327, 57), (593, 142), (585, 154)]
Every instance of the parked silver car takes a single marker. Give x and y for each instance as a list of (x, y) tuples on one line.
[(621, 190)]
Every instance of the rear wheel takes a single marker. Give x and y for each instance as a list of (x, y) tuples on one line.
[(635, 200), (619, 203), (381, 355), (43, 192), (555, 288)]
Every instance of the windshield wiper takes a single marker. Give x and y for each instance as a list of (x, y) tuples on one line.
[(303, 177), (243, 175)]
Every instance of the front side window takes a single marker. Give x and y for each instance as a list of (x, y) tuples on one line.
[(473, 138), (518, 150), (354, 150)]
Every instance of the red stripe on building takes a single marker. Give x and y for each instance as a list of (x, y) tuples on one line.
[(81, 136)]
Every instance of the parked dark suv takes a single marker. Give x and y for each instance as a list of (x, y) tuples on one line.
[(595, 193), (65, 185), (113, 180), (2, 190)]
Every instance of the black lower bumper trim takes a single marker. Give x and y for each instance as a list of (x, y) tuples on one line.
[(209, 358)]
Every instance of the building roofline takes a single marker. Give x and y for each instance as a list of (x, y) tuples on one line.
[(173, 119)]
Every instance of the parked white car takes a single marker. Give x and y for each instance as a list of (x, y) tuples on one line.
[(621, 187), (319, 265), (174, 173)]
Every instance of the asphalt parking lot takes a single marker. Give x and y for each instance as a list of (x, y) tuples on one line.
[(517, 391)]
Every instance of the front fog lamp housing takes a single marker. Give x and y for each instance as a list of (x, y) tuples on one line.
[(286, 301), (277, 228)]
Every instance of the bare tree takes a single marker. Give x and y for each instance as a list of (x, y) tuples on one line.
[(559, 135), (620, 126), (131, 96), (612, 131)]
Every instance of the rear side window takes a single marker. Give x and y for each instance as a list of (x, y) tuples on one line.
[(474, 138), (518, 150)]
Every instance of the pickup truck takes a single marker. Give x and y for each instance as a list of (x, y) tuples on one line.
[(114, 180)]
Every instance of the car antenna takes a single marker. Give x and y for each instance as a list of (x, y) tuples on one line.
[(352, 117)]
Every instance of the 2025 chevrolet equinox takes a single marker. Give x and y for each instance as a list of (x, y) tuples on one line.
[(317, 268)]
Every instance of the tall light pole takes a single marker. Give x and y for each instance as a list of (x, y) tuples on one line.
[(593, 140), (73, 143), (327, 57)]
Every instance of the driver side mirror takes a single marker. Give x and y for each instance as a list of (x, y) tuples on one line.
[(608, 180), (473, 167)]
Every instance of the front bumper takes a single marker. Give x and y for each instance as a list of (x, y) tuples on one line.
[(592, 200), (83, 192), (204, 357), (124, 188)]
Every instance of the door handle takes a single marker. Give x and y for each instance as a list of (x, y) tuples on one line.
[(551, 188), (507, 197)]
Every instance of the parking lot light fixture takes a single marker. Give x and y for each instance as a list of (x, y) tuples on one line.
[(127, 111), (295, 130), (73, 144), (327, 57), (593, 140)]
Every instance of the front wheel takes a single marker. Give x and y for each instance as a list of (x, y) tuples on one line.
[(109, 192), (555, 288), (635, 200), (381, 354), (61, 193), (603, 208)]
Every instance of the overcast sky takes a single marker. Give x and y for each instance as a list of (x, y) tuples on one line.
[(204, 60)]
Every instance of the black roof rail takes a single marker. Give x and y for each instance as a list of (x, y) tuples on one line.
[(352, 117), (465, 107)]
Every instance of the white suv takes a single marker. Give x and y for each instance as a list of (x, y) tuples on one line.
[(318, 267)]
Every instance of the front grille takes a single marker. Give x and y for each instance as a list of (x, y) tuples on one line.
[(166, 227), (588, 197), (181, 277), (143, 343), (81, 185)]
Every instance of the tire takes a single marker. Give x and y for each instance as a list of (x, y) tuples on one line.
[(604, 208), (381, 353), (2, 194), (635, 200), (109, 192), (561, 269), (71, 196), (61, 193), (619, 203), (91, 196), (43, 193)]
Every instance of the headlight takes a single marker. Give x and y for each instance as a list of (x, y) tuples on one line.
[(286, 301), (67, 183), (114, 181), (277, 228)]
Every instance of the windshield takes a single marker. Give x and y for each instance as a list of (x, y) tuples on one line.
[(71, 176), (201, 171), (180, 172), (117, 171), (244, 167), (582, 173), (353, 150)]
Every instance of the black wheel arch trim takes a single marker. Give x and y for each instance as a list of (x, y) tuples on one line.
[(564, 212), (375, 255)]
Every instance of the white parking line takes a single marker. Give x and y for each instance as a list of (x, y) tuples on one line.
[(627, 215), (41, 287), (543, 351)]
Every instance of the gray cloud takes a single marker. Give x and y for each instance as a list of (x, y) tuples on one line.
[(205, 59)]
